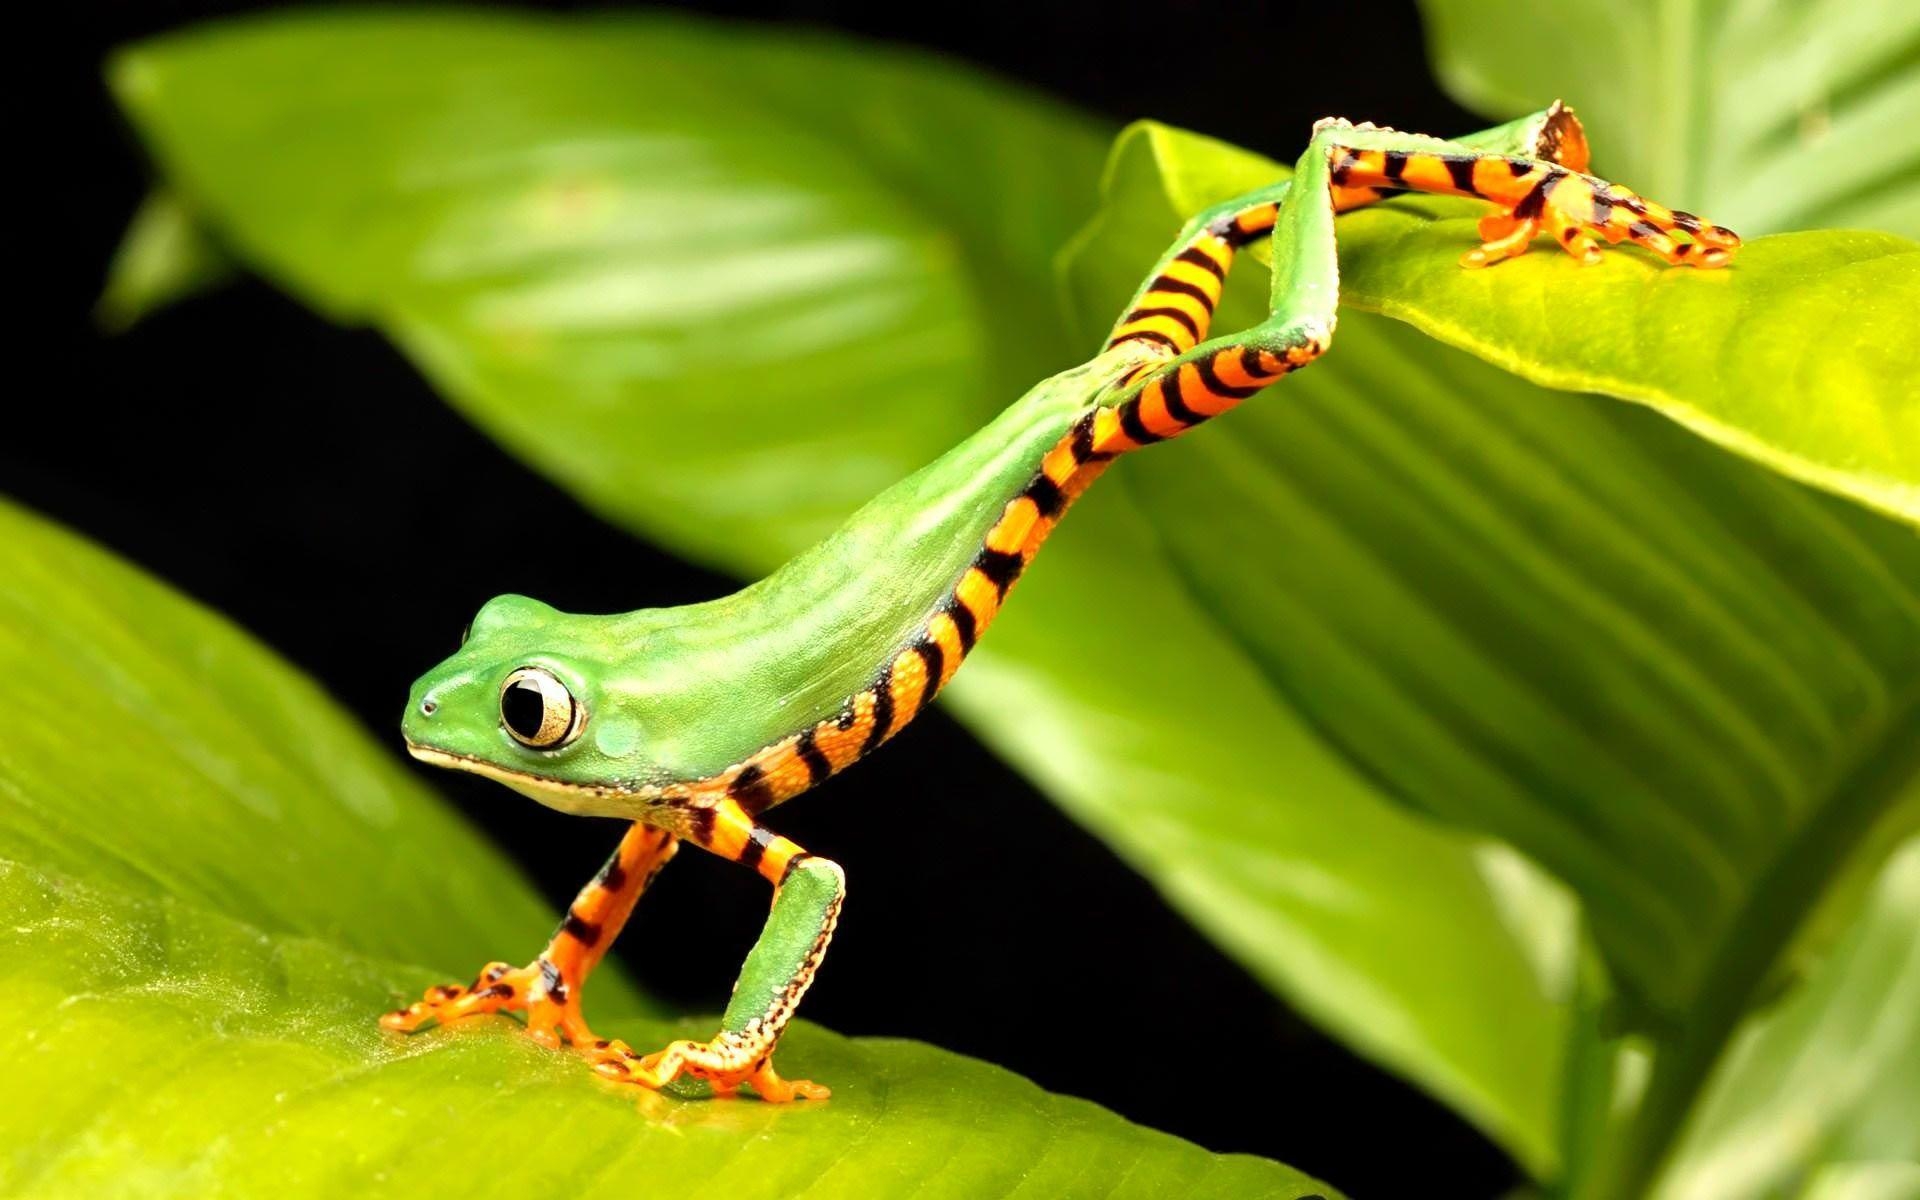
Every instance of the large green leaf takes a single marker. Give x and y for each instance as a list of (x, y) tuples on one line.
[(1769, 114), (1765, 116), (212, 882), (1825, 1087), (156, 750), (1689, 687), (591, 236), (568, 223)]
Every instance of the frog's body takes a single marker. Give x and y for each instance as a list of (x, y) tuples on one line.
[(693, 721)]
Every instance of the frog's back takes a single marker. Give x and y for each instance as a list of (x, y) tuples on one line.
[(849, 638)]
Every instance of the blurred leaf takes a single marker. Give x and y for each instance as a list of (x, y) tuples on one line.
[(725, 305), (1828, 1082), (1765, 114), (210, 880), (1687, 686), (165, 256), (571, 223)]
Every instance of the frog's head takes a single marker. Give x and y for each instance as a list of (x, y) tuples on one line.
[(520, 703)]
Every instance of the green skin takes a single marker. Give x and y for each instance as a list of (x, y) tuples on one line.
[(678, 695)]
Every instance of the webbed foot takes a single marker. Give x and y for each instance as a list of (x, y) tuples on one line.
[(1580, 211), (538, 990), (726, 1062)]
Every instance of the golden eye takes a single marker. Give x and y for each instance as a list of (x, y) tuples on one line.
[(538, 710)]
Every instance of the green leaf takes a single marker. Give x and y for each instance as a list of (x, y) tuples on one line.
[(214, 884), (1824, 1086), (1687, 686), (568, 223), (156, 750), (1801, 355), (1774, 116), (165, 256), (1819, 321), (725, 307)]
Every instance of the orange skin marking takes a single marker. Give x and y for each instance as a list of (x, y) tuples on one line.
[(980, 596), (1203, 399), (1230, 371), (906, 684), (943, 633), (1153, 409), (733, 830), (1059, 463), (1166, 326), (1198, 276), (842, 746), (783, 772), (1109, 437), (1191, 305), (1009, 534)]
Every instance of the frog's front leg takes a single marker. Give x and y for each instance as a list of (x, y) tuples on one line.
[(548, 989), (1531, 195), (808, 891)]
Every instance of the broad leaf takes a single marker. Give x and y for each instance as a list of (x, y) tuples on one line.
[(1769, 115), (202, 1022), (1765, 116), (570, 223), (724, 307), (1687, 686), (1823, 1089), (156, 750)]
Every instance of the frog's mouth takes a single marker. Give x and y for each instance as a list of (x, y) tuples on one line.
[(586, 799)]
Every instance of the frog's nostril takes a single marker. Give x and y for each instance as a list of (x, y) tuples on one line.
[(427, 707)]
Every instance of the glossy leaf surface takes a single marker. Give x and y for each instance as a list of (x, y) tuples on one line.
[(1687, 686), (203, 1022)]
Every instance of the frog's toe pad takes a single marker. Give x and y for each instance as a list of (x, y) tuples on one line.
[(720, 1062)]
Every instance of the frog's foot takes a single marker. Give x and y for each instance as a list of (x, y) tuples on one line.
[(539, 991), (726, 1062), (1581, 211)]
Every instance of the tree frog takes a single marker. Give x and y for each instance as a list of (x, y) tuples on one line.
[(693, 722)]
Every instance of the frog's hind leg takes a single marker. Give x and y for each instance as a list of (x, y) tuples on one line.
[(548, 989), (1166, 397), (808, 891), (1173, 310)]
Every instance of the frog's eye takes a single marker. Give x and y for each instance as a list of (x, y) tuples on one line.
[(538, 710)]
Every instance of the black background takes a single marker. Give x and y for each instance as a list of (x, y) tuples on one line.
[(253, 455)]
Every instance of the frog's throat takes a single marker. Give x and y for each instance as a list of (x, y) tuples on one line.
[(585, 799)]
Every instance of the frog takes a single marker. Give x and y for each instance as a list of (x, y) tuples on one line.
[(691, 723)]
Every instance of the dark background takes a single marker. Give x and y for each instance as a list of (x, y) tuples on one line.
[(253, 455)]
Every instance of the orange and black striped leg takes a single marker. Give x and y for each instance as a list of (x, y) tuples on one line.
[(1530, 195), (1173, 311), (1200, 387), (548, 989), (808, 891)]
